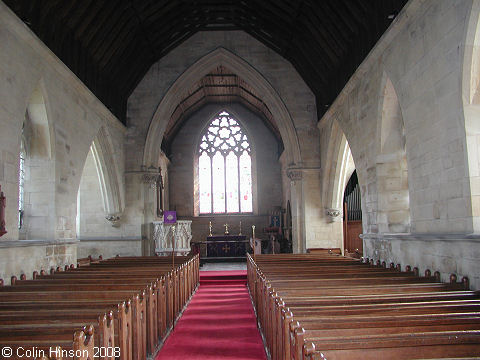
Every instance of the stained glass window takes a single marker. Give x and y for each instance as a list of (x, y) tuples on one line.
[(224, 168)]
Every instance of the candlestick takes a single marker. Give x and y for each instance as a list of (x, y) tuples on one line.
[(226, 229), (210, 228), (253, 232)]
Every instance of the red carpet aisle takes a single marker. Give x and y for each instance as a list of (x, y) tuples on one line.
[(218, 323)]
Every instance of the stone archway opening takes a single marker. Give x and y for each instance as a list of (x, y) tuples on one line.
[(36, 171), (393, 202)]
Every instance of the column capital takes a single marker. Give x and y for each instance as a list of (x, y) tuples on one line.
[(295, 174)]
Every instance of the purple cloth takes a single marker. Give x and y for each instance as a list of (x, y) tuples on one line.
[(169, 217)]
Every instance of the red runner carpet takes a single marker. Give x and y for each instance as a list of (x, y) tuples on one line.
[(219, 322)]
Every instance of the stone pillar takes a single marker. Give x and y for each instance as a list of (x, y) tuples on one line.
[(307, 209), (149, 181), (297, 205)]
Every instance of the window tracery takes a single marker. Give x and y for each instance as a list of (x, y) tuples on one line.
[(225, 168)]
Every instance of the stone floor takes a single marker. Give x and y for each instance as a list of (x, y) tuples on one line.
[(222, 266)]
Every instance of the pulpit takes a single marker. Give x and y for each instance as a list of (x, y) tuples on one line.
[(163, 236), (227, 246)]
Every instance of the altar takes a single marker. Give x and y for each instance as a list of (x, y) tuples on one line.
[(227, 246)]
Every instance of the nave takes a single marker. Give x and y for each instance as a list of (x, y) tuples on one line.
[(219, 322), (308, 306)]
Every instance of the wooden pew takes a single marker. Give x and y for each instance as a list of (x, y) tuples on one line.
[(98, 288), (424, 345), (303, 316), (79, 347), (330, 251)]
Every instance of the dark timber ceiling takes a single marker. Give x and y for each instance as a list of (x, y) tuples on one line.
[(111, 44), (220, 86)]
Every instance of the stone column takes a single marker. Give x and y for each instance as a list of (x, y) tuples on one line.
[(149, 180), (307, 209), (298, 206)]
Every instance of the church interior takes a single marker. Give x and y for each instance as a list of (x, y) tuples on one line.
[(297, 145)]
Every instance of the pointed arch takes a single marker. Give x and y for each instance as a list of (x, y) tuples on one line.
[(221, 56), (37, 166), (38, 131), (340, 166), (108, 175), (471, 109), (393, 200)]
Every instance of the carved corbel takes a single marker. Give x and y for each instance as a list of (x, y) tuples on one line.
[(334, 214), (114, 219)]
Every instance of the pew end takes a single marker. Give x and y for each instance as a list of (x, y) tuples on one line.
[(83, 343), (308, 350)]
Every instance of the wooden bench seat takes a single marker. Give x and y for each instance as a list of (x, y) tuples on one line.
[(420, 345), (59, 302), (316, 251), (309, 306), (103, 332), (80, 346), (312, 331)]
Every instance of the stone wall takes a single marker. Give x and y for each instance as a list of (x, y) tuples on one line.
[(109, 247), (72, 117), (27, 256), (447, 253), (421, 54)]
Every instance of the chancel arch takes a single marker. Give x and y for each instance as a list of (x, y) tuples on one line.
[(202, 67)]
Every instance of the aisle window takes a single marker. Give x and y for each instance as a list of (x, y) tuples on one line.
[(21, 185)]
